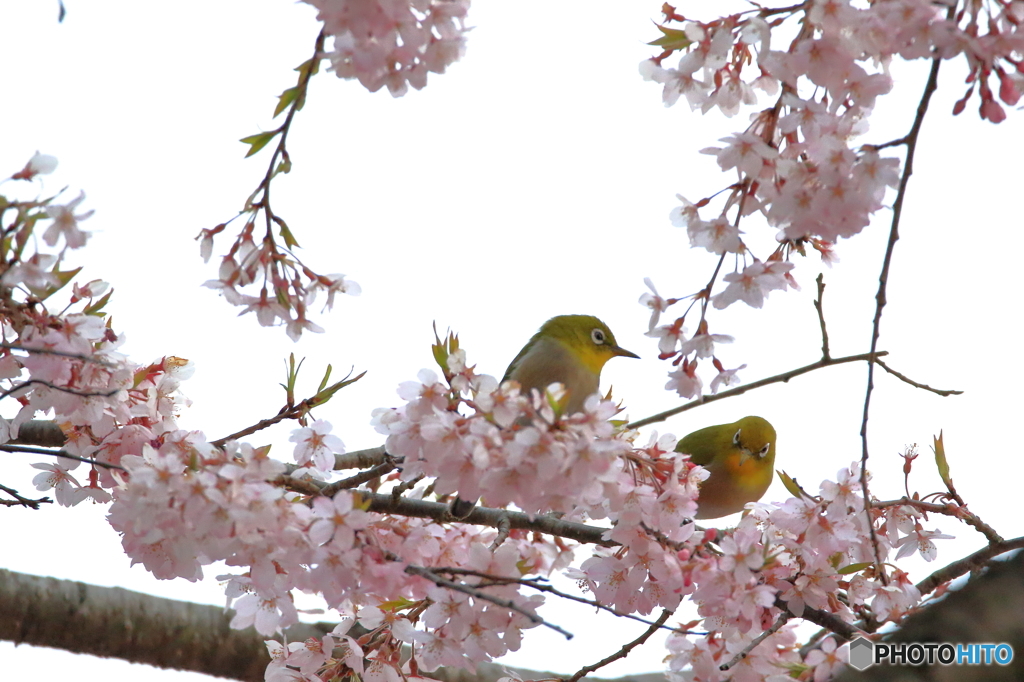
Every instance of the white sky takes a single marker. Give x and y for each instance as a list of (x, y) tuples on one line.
[(534, 179)]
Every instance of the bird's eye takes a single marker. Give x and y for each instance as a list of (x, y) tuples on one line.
[(597, 336), (736, 438), (764, 450)]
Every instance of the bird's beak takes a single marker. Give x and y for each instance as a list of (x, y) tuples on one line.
[(744, 455), (624, 353)]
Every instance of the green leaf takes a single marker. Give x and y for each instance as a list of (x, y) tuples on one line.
[(326, 394), (440, 351), (396, 604), (853, 568), (323, 382), (672, 39), (791, 485), (258, 141), (286, 234), (940, 460), (286, 98), (95, 307)]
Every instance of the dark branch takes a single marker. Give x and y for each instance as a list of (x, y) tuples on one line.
[(880, 298), (477, 593), (624, 651)]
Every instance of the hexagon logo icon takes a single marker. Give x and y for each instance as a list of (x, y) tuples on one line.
[(862, 653)]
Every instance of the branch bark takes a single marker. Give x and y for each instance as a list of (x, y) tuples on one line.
[(117, 623)]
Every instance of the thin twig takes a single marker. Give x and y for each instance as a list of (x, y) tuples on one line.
[(62, 389), (293, 412), (63, 354), (537, 584), (399, 489), (479, 594), (905, 379), (8, 447), (778, 378), (624, 651), (820, 281), (779, 622), (880, 297), (960, 513), (20, 501)]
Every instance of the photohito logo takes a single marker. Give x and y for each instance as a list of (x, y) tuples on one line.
[(865, 653)]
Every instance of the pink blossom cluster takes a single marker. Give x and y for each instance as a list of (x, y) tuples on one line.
[(187, 504), (549, 462), (289, 289), (807, 552), (393, 43), (798, 163), (795, 163)]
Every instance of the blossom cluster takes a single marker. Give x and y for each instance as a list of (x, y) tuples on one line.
[(549, 462), (188, 504), (801, 554), (809, 552), (798, 164), (393, 43), (289, 289)]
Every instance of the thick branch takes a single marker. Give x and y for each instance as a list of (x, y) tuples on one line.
[(986, 609), (118, 623), (969, 563)]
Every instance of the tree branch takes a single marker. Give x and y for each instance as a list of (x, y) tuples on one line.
[(880, 297), (21, 501), (624, 651), (383, 503), (739, 390), (477, 593), (969, 563)]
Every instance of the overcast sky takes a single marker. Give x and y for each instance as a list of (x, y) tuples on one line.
[(534, 179)]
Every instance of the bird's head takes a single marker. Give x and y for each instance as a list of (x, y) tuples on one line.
[(586, 337), (755, 438)]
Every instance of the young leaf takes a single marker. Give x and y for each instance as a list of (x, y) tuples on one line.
[(95, 307), (940, 460), (792, 486), (286, 98), (672, 39), (258, 141)]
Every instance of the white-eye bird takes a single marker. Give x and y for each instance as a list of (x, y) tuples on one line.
[(741, 459), (567, 349)]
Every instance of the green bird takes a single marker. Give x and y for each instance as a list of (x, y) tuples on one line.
[(567, 349), (741, 459)]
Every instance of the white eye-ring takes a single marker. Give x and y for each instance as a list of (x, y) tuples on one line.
[(764, 450), (736, 438), (597, 336)]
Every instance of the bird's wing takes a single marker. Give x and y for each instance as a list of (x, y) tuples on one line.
[(700, 445)]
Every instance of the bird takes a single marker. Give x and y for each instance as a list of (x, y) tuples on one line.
[(741, 459), (567, 349)]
